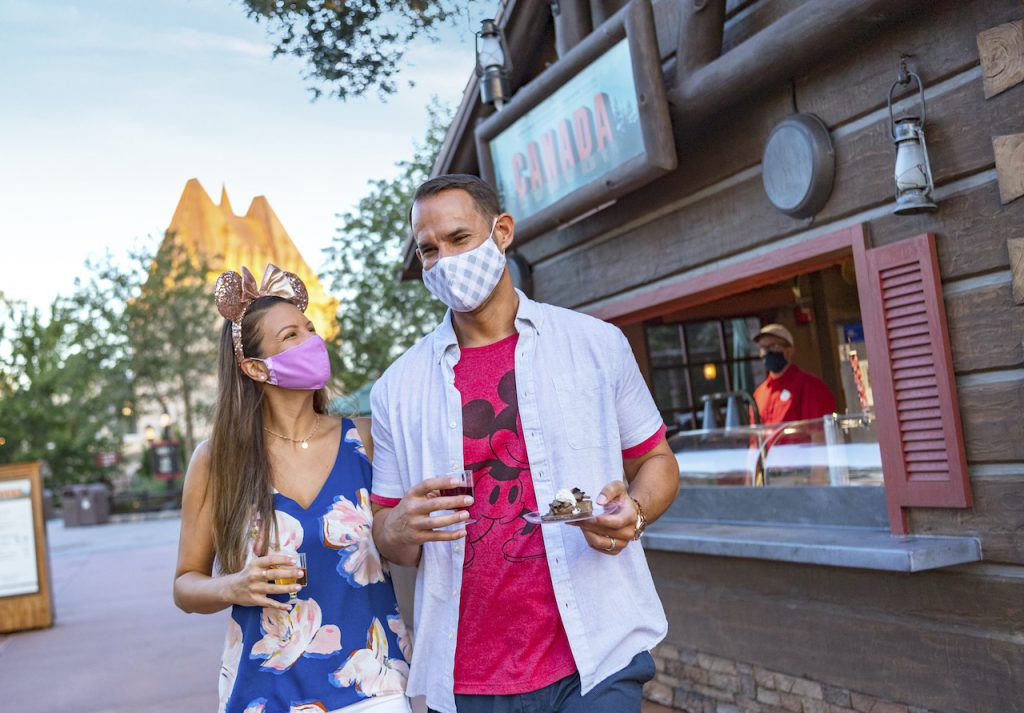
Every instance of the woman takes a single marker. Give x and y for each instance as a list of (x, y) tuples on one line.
[(280, 478)]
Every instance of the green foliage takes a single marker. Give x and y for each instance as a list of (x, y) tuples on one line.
[(61, 391), (353, 45), (381, 317), (127, 334), (173, 331)]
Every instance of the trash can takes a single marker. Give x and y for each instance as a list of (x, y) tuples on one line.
[(93, 504), (71, 505), (86, 505)]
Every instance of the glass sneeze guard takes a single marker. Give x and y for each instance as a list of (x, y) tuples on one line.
[(835, 450)]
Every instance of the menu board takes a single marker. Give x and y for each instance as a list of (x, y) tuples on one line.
[(18, 571)]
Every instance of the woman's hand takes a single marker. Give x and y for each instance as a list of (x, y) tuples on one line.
[(250, 586)]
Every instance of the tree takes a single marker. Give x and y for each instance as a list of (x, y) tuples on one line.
[(381, 317), (61, 391), (354, 46), (156, 315), (172, 328)]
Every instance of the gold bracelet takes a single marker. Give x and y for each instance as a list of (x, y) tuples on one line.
[(641, 519)]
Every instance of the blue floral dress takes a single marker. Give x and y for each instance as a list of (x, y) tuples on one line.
[(343, 641)]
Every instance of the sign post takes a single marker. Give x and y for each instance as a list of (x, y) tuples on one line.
[(26, 594)]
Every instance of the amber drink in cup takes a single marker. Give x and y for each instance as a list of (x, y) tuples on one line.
[(300, 563)]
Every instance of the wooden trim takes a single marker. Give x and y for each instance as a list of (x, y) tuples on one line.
[(686, 292), (635, 22), (30, 611), (944, 484), (919, 426)]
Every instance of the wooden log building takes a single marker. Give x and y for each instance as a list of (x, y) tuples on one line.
[(810, 599)]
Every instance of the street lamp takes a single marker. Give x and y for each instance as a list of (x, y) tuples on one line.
[(913, 173), (150, 435), (493, 64), (126, 410)]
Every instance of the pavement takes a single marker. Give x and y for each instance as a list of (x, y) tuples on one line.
[(118, 643)]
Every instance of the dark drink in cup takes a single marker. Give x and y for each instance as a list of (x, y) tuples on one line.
[(463, 488)]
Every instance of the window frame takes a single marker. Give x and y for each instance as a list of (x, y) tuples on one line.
[(780, 261)]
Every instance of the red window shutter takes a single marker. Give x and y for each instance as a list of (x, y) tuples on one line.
[(912, 377)]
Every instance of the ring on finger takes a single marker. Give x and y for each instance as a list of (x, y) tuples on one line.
[(611, 544), (263, 574)]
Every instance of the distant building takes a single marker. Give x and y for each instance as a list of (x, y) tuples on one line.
[(228, 241)]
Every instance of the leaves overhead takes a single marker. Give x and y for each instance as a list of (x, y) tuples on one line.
[(356, 46)]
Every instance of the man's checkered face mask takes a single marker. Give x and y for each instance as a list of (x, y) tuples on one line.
[(465, 280)]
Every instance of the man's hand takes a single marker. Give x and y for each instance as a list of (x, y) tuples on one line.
[(612, 532), (401, 531)]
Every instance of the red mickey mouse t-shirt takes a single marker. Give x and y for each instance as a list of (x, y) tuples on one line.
[(511, 638)]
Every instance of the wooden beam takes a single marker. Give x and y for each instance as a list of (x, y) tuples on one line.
[(1001, 49), (778, 52), (701, 26), (572, 23), (1015, 247), (1009, 151)]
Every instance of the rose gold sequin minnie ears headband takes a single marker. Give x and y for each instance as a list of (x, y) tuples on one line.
[(234, 293)]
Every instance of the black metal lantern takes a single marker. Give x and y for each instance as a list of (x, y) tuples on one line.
[(913, 172), (492, 64)]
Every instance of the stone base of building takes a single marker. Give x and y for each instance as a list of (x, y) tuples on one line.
[(696, 682)]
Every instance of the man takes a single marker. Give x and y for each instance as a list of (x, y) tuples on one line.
[(533, 398), (789, 393)]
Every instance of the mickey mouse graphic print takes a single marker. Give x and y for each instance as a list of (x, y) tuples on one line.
[(505, 569)]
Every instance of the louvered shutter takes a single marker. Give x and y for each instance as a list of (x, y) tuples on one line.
[(912, 377)]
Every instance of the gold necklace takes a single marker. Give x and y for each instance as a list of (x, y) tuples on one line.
[(303, 441)]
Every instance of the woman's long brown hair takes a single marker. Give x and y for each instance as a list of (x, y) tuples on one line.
[(241, 482)]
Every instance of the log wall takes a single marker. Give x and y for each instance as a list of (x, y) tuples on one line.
[(948, 640), (944, 641)]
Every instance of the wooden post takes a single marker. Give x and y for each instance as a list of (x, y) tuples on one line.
[(1001, 49), (1009, 151), (701, 25), (790, 46), (572, 23), (598, 13)]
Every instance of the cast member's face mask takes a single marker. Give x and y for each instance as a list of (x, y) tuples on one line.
[(304, 367), (465, 281), (775, 361)]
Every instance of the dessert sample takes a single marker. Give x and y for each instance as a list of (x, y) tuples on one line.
[(569, 504)]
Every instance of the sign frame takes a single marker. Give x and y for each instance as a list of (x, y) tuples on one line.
[(19, 612), (635, 23)]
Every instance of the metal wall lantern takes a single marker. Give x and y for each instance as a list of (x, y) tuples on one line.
[(913, 173), (493, 64)]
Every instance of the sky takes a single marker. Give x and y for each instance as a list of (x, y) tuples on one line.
[(107, 108)]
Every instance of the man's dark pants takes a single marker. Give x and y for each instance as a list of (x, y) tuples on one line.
[(619, 693)]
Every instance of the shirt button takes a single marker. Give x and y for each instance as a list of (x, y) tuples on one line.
[(451, 635), (452, 424), (458, 549), (455, 592)]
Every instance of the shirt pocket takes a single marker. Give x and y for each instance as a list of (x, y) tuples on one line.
[(586, 409)]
